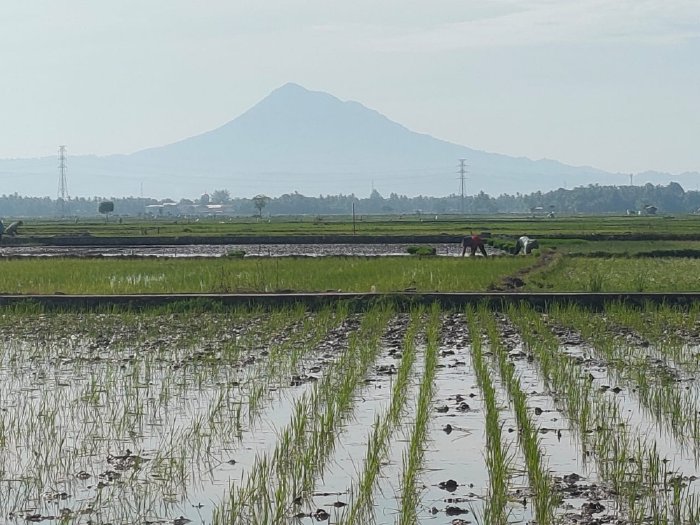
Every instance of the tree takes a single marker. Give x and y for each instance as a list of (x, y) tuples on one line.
[(220, 197), (106, 207), (260, 201)]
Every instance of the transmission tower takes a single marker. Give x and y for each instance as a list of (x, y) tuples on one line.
[(462, 175), (62, 184)]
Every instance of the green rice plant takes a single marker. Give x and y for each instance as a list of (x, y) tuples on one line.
[(640, 281), (544, 498), (662, 397), (225, 275), (629, 463), (127, 397), (578, 274), (305, 444), (665, 327), (498, 459), (413, 457), (595, 282)]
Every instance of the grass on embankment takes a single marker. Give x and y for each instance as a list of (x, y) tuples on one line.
[(226, 275)]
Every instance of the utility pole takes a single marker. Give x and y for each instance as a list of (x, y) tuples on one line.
[(462, 174), (62, 184), (631, 179), (353, 218)]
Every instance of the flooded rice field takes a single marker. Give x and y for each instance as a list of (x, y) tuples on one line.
[(291, 416), (218, 250)]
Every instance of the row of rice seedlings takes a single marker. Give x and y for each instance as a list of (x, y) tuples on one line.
[(283, 357), (665, 326), (304, 445), (544, 499), (124, 415), (629, 463), (129, 325), (216, 431), (671, 405), (413, 457), (186, 457), (360, 510), (220, 430), (498, 458), (335, 412)]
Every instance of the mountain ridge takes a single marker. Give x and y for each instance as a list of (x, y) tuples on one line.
[(296, 139)]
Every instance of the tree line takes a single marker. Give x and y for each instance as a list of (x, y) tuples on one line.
[(671, 198)]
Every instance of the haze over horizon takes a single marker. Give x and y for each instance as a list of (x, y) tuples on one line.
[(610, 84)]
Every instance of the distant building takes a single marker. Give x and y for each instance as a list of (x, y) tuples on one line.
[(184, 209)]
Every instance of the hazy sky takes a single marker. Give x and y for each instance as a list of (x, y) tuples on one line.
[(610, 83)]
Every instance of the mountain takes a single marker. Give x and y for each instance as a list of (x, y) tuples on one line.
[(310, 142)]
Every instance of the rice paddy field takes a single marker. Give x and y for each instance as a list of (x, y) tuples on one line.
[(286, 415), (614, 274), (228, 275), (574, 226), (355, 414)]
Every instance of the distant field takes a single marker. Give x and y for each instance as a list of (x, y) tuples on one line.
[(583, 246), (612, 265), (510, 226)]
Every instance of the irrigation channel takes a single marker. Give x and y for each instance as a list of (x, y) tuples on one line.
[(286, 415)]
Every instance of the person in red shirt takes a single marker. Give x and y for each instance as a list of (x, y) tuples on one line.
[(475, 242)]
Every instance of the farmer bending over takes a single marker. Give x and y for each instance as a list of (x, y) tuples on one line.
[(474, 242), (526, 245), (11, 230)]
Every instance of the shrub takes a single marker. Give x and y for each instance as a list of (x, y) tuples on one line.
[(421, 250)]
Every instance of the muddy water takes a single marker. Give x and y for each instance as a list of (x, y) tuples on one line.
[(217, 250)]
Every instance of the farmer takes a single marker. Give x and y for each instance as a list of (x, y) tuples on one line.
[(526, 245), (11, 230), (474, 241)]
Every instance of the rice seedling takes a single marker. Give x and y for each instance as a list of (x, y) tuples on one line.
[(413, 458), (619, 275), (123, 399), (498, 457), (545, 500), (657, 389), (631, 464), (666, 327), (307, 441), (139, 276), (360, 510)]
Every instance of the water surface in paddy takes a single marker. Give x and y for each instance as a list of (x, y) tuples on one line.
[(217, 250), (142, 410)]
